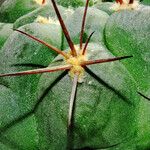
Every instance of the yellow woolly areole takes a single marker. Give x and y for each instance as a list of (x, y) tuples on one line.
[(39, 2), (44, 20), (125, 6), (76, 63)]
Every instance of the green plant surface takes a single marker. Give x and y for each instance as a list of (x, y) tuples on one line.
[(45, 11), (105, 7), (146, 2), (11, 10), (128, 32), (22, 135), (75, 3), (144, 122), (5, 31), (95, 22)]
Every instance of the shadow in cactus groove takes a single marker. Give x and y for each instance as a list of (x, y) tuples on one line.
[(143, 96), (125, 99), (9, 143), (29, 65), (88, 148)]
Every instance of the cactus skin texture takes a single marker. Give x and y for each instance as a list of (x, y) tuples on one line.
[(64, 84)]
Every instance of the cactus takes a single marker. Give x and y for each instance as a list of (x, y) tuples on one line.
[(48, 60)]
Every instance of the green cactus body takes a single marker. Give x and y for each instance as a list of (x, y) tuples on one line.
[(11, 10), (128, 32), (109, 112)]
